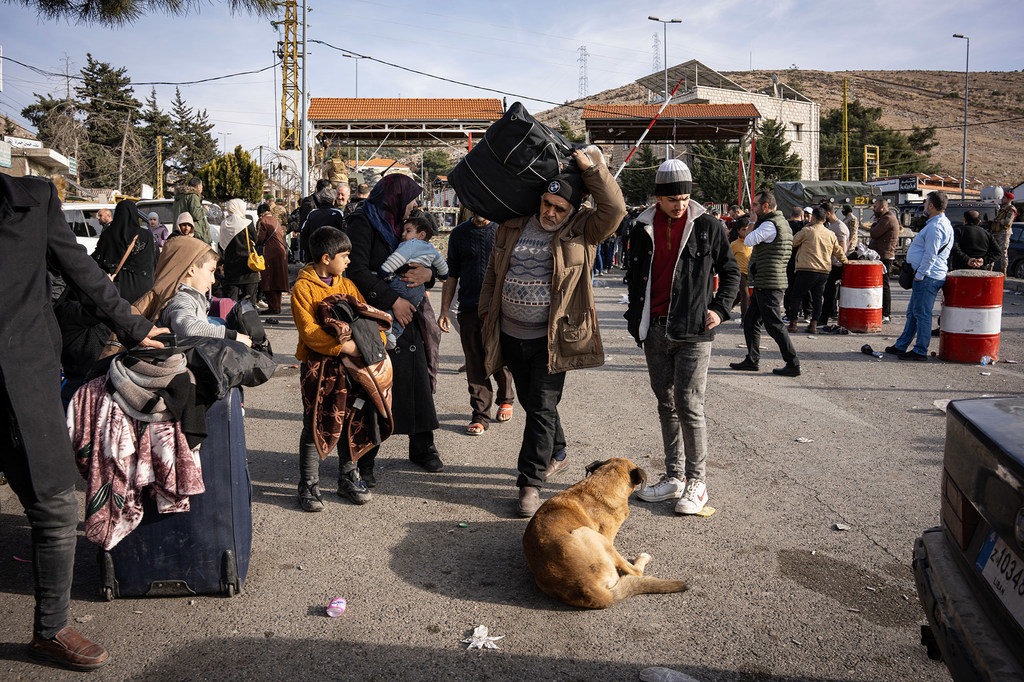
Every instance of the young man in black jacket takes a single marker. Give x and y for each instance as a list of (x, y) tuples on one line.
[(674, 250)]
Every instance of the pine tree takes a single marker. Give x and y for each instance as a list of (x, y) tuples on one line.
[(107, 100), (154, 123), (900, 153), (191, 145)]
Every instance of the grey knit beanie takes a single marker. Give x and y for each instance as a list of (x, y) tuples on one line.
[(672, 179)]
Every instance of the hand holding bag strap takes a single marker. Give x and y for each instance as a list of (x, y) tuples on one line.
[(125, 257)]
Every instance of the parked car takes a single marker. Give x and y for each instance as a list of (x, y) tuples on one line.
[(81, 216), (970, 569), (1015, 253)]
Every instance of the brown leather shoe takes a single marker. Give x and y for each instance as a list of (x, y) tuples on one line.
[(70, 649), (529, 501), (555, 466), (791, 327), (812, 327)]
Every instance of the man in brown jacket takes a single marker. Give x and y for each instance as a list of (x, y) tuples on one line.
[(885, 235), (537, 308)]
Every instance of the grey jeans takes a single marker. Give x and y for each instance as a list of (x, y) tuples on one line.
[(679, 375)]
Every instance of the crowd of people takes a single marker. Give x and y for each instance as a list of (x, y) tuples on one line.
[(525, 316)]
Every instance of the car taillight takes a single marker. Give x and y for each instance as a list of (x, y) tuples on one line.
[(958, 514)]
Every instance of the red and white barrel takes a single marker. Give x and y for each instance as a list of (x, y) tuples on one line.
[(860, 296), (972, 310)]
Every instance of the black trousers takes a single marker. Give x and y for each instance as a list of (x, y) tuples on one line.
[(886, 294), (539, 394), (54, 523), (831, 297), (481, 392), (764, 309), (805, 281)]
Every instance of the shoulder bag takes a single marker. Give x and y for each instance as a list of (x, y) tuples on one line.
[(256, 262)]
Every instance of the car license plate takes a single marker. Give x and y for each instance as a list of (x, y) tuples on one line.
[(1004, 572)]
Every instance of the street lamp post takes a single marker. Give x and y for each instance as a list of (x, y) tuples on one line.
[(664, 25), (967, 72), (356, 58), (224, 144)]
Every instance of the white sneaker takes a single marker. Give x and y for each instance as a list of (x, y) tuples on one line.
[(886, 319), (667, 488), (694, 498)]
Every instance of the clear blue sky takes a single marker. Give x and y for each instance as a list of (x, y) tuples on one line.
[(525, 47)]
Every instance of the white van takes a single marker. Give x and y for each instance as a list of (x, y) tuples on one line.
[(81, 216)]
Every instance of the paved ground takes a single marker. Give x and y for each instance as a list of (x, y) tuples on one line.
[(776, 594)]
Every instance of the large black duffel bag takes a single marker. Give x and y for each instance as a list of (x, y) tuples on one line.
[(504, 175)]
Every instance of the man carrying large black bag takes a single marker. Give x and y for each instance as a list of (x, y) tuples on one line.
[(35, 449), (537, 307)]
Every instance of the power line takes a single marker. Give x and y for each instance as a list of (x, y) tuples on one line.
[(44, 72)]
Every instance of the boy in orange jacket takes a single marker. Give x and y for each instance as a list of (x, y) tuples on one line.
[(322, 277)]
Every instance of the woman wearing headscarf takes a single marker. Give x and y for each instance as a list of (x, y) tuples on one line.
[(125, 236), (274, 281), (374, 230), (237, 238)]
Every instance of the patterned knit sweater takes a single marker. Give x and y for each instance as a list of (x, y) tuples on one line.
[(526, 291)]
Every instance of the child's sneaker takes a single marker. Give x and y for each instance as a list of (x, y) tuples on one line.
[(310, 498), (352, 486), (694, 498), (667, 488)]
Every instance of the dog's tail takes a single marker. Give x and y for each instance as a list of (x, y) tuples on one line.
[(629, 585)]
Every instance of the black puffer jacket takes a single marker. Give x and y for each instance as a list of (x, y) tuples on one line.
[(704, 252)]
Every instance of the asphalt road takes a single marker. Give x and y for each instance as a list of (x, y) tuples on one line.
[(775, 592)]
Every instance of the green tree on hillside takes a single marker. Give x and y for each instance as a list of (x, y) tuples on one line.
[(637, 178), (716, 164), (900, 153), (435, 162)]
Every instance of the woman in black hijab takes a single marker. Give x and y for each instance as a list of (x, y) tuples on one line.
[(136, 275), (374, 230)]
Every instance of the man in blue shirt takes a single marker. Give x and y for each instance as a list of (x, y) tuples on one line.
[(927, 254)]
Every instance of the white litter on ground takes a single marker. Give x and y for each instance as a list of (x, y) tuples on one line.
[(480, 640)]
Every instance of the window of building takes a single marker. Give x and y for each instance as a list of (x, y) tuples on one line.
[(798, 131)]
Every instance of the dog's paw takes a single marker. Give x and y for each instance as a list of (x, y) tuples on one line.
[(641, 561)]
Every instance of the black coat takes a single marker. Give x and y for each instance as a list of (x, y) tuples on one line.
[(412, 401), (236, 259), (705, 253), (33, 232), (972, 241)]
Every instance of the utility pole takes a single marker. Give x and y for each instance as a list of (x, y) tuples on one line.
[(967, 77), (305, 107), (845, 163), (159, 166)]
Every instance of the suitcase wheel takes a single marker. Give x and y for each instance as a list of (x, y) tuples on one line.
[(229, 583)]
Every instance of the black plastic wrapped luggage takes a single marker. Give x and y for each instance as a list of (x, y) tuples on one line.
[(202, 551), (504, 175)]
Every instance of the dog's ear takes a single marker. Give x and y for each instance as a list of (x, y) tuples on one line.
[(638, 477), (594, 466)]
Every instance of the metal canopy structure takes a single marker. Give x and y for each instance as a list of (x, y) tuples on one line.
[(624, 123), (345, 121), (692, 73)]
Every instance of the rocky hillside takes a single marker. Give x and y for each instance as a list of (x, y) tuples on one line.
[(907, 98)]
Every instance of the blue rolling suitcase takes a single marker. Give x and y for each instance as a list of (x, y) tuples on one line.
[(205, 550)]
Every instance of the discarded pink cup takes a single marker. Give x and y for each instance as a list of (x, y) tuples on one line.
[(336, 607)]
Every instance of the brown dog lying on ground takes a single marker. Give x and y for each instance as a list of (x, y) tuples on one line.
[(569, 543)]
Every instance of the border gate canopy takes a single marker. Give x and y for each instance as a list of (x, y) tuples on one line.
[(624, 123), (343, 121)]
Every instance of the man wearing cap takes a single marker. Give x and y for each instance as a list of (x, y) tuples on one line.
[(158, 229), (675, 249), (771, 242), (1001, 226), (537, 307)]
